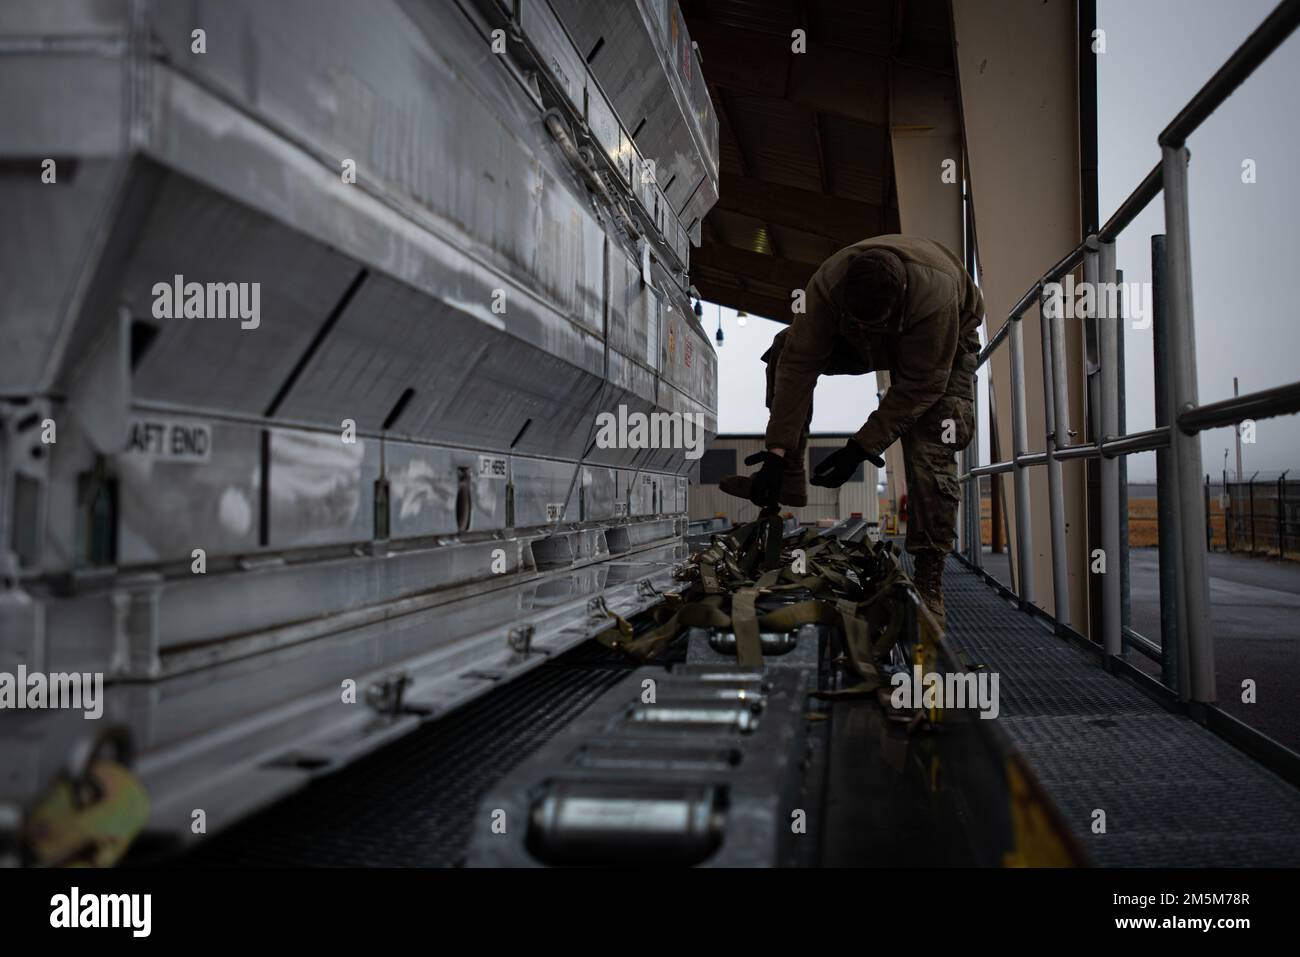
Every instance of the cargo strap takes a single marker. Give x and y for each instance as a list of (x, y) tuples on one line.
[(744, 623), (852, 586)]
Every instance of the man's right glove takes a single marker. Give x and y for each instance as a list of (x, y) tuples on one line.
[(838, 467), (765, 484)]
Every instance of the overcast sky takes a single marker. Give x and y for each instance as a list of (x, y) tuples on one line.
[(1244, 236)]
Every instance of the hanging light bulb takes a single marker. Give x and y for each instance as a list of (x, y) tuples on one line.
[(719, 335), (742, 317), (699, 309)]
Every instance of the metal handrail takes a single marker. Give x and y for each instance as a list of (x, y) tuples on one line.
[(1259, 46), (1147, 441), (1088, 451), (1150, 440), (1264, 404), (1137, 201), (995, 468), (1190, 661)]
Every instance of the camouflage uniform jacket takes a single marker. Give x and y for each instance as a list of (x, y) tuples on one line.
[(928, 346)]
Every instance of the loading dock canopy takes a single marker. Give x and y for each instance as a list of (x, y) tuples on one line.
[(806, 164)]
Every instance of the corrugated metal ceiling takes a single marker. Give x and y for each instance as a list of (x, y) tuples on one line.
[(813, 126)]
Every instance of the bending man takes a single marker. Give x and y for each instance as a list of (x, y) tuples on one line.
[(897, 303)]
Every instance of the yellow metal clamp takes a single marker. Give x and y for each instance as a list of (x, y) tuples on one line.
[(91, 814)]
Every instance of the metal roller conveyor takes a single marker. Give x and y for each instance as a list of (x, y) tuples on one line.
[(647, 756), (742, 720), (606, 823), (686, 781), (772, 643)]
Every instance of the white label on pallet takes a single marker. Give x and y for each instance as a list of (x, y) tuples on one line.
[(169, 439), (554, 511), (620, 509), (491, 467)]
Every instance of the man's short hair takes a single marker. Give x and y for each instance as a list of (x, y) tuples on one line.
[(873, 285)]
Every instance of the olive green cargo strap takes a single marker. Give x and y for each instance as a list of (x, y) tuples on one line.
[(887, 619), (852, 585), (707, 613), (773, 542), (810, 612), (857, 639), (836, 579), (744, 623), (709, 578)]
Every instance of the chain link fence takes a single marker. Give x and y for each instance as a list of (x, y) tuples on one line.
[(1256, 516)]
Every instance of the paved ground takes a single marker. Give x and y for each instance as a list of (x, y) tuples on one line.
[(1255, 609)]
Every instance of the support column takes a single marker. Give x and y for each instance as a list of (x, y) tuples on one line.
[(925, 131), (1016, 62)]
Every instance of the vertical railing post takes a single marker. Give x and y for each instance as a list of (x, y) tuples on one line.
[(962, 466), (1019, 446), (974, 533), (1196, 640), (1229, 509), (1209, 524), (971, 496), (1112, 623), (1126, 596), (1281, 515), (963, 526), (1057, 417), (1166, 491), (1251, 493)]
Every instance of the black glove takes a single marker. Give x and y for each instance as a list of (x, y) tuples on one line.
[(838, 467), (765, 484)]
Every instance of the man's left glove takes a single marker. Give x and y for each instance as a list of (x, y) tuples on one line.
[(838, 467)]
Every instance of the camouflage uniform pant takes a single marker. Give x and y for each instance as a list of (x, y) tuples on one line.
[(929, 462), (930, 465)]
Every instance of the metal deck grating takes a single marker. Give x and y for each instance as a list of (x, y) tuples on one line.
[(1174, 793), (411, 803)]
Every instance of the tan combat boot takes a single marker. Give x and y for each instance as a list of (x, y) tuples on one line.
[(928, 578), (794, 489)]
